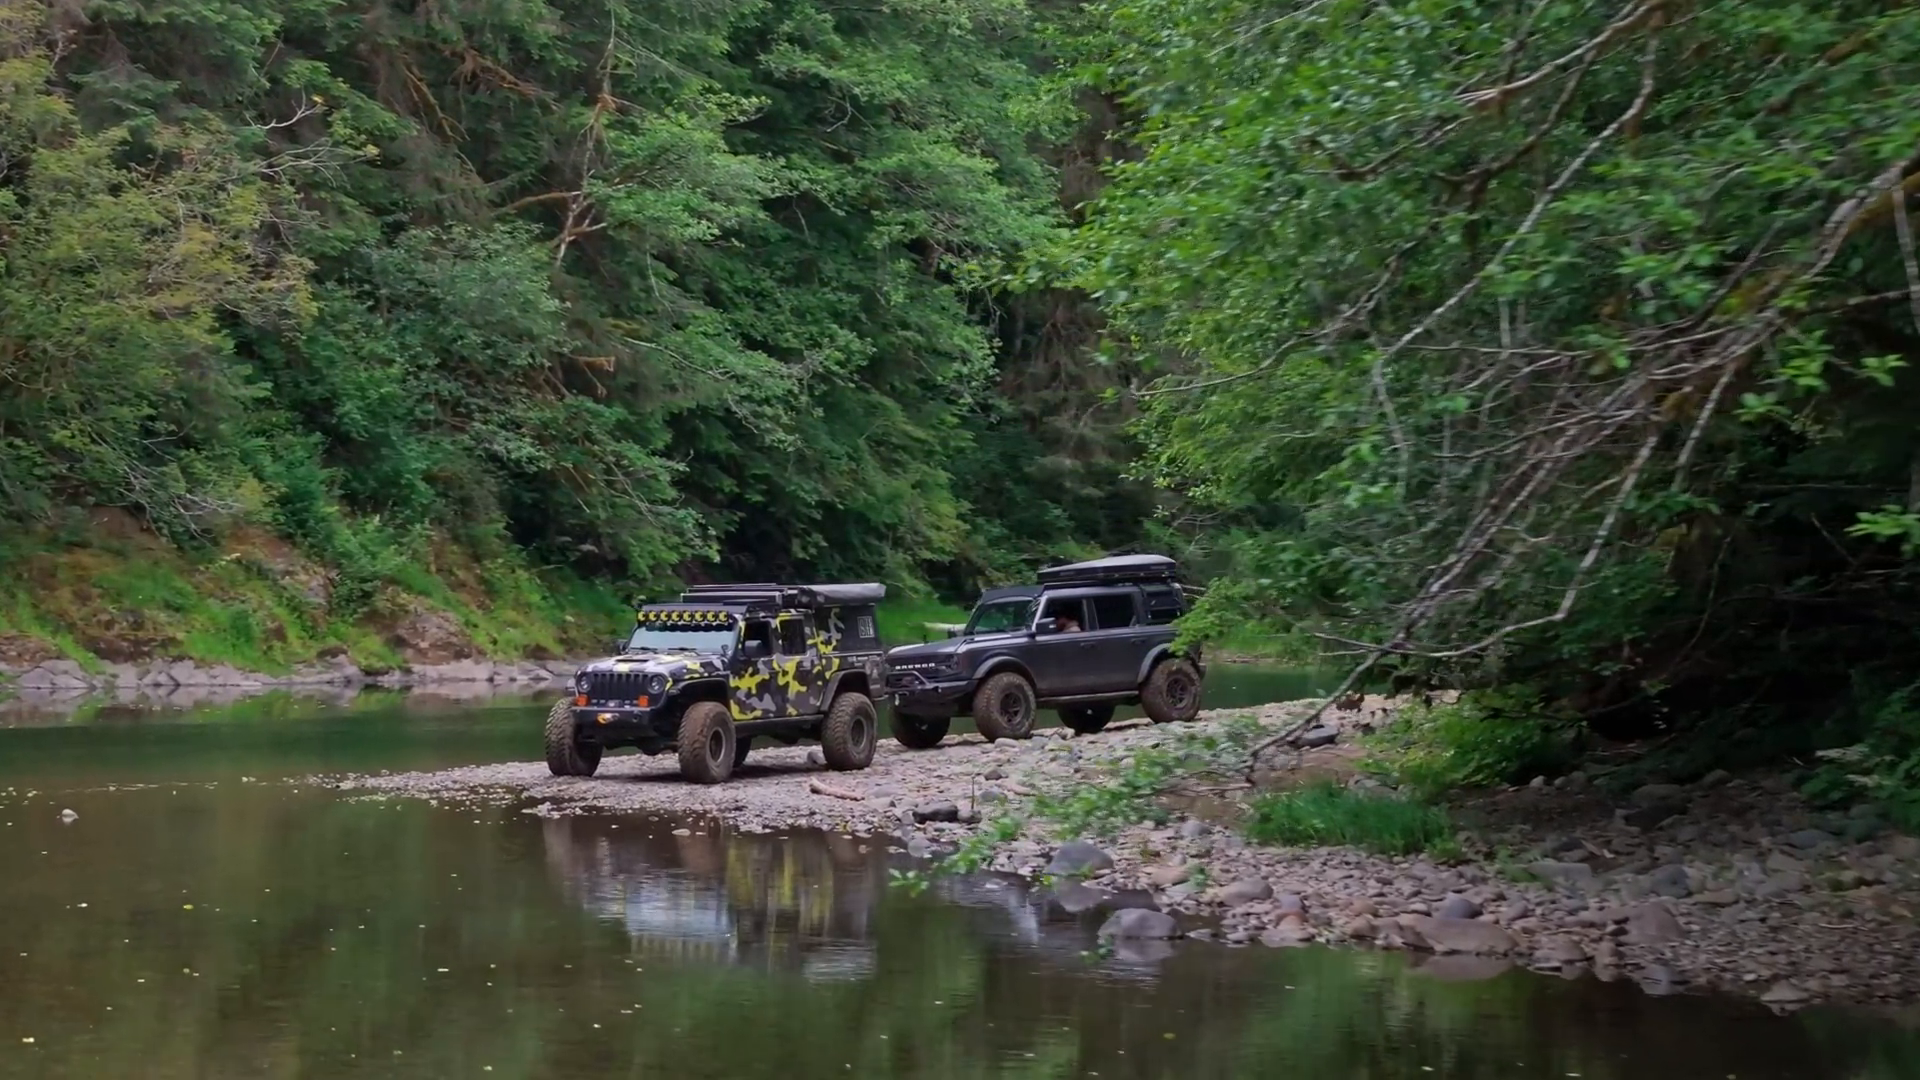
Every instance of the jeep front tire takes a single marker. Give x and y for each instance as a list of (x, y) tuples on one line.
[(1086, 719), (567, 754), (920, 732), (706, 743), (1003, 707), (849, 732), (1171, 693)]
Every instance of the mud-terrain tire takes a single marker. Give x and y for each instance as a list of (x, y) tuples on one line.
[(920, 732), (566, 754), (706, 743), (1086, 719), (741, 747), (848, 734), (1171, 693), (1003, 707)]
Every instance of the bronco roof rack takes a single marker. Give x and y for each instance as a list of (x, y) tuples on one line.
[(1114, 568), (787, 596)]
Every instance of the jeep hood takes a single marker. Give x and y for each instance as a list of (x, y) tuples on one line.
[(673, 664)]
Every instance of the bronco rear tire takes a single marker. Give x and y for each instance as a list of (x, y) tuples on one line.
[(920, 732), (567, 754), (849, 732), (706, 743), (1003, 707), (1171, 693), (1086, 719)]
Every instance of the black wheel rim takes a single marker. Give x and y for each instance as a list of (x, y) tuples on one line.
[(1179, 691), (716, 745), (857, 734), (1013, 707)]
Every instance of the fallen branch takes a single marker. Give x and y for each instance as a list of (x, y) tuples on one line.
[(819, 788)]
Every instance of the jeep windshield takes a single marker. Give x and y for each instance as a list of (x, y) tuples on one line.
[(1001, 616), (654, 639)]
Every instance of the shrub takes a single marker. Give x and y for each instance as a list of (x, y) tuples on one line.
[(1483, 739), (1325, 813)]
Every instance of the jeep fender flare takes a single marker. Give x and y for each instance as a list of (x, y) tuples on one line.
[(870, 675)]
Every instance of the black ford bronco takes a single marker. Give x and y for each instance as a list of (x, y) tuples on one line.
[(725, 665), (1089, 637)]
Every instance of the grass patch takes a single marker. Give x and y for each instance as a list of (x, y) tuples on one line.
[(1325, 814)]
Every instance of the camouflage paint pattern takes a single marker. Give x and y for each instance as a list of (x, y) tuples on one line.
[(763, 688)]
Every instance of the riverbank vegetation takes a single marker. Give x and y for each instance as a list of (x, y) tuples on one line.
[(1558, 354)]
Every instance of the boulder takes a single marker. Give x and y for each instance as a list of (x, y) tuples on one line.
[(1656, 794), (1671, 881), (1162, 877), (1566, 875), (1245, 891), (943, 811), (1456, 906), (1460, 935), (1809, 839), (1289, 933), (1139, 923), (1078, 859), (1653, 924), (1554, 951)]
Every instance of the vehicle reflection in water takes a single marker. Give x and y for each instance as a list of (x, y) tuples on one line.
[(799, 904), (805, 902)]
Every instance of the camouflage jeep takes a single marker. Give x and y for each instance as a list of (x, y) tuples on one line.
[(724, 666)]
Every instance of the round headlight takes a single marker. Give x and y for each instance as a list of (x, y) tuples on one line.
[(657, 684), (581, 683)]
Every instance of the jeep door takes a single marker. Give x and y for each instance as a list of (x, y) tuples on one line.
[(796, 666), (1121, 640)]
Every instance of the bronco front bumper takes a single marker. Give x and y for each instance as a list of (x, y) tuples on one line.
[(926, 695)]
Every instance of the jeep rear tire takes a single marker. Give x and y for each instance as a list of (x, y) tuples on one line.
[(1086, 719), (706, 743), (1171, 693), (849, 732), (1003, 707), (920, 732), (567, 754)]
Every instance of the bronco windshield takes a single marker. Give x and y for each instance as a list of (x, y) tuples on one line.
[(655, 639), (1002, 616)]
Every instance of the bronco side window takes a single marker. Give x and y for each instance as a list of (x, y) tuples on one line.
[(1164, 603), (1113, 610)]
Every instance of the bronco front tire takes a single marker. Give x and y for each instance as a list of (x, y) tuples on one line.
[(567, 753), (1003, 707), (920, 732), (1086, 719), (849, 732), (1171, 693), (706, 743)]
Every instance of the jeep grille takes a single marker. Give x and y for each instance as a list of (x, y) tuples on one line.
[(616, 685)]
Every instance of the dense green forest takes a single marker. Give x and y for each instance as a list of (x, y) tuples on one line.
[(1550, 345)]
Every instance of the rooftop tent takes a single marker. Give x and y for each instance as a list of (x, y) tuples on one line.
[(1113, 568), (807, 596)]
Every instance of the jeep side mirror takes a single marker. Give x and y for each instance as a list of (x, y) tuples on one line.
[(619, 647), (755, 650)]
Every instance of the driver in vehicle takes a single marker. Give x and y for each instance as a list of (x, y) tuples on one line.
[(1065, 624)]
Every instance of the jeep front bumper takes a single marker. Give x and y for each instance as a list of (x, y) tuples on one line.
[(619, 724)]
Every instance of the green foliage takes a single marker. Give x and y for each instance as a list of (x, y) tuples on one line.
[(1486, 738), (1128, 792), (1566, 346), (639, 289), (1883, 769), (1326, 814)]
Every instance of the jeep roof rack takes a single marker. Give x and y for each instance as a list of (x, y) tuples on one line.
[(1114, 568), (790, 596)]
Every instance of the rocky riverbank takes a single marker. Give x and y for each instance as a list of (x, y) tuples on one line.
[(60, 686), (1728, 884)]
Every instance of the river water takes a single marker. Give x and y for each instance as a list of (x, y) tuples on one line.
[(207, 916)]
